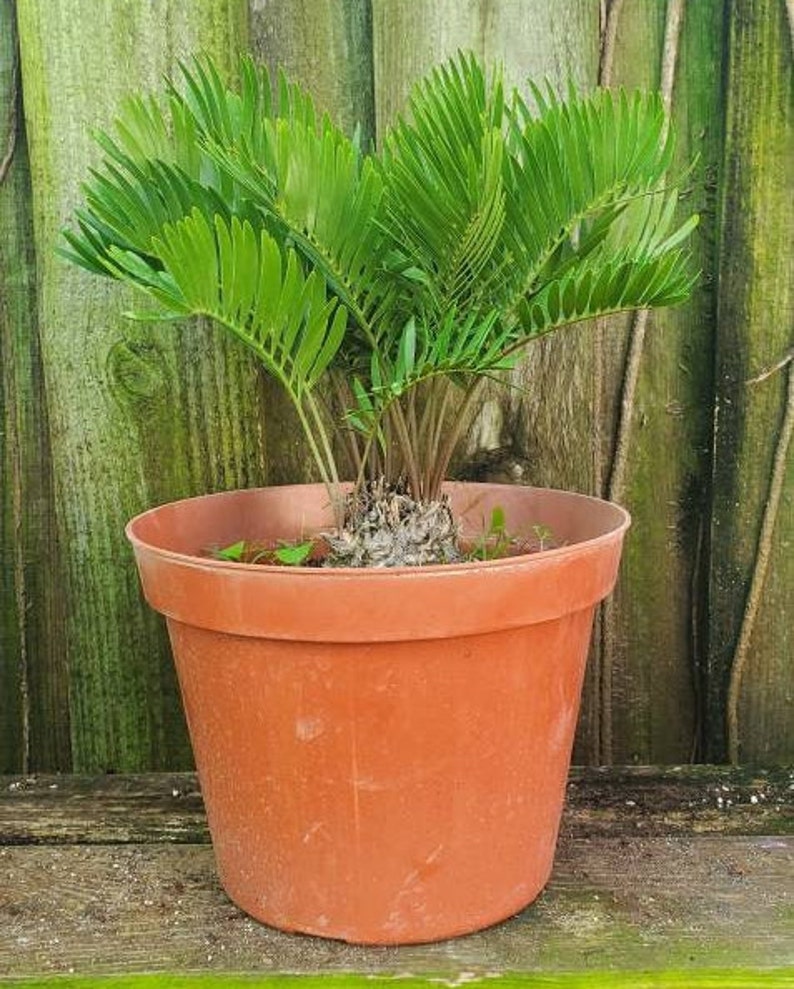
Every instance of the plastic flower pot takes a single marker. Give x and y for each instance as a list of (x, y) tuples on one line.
[(383, 753)]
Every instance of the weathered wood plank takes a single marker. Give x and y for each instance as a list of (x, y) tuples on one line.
[(702, 979), (13, 673), (138, 414), (655, 644), (601, 803), (326, 45), (34, 716), (611, 903), (755, 332), (679, 800)]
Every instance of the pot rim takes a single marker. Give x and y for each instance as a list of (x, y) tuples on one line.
[(623, 522)]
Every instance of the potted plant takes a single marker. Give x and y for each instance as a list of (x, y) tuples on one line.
[(383, 728)]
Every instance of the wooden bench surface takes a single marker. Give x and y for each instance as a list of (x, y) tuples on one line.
[(687, 869)]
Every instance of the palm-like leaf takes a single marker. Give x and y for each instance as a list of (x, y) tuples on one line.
[(583, 181), (442, 165), (313, 190), (548, 217), (243, 279)]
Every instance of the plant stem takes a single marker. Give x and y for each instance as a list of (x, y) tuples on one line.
[(440, 416), (427, 422), (349, 435), (453, 437), (404, 442), (326, 467)]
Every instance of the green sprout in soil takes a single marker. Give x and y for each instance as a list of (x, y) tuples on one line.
[(286, 553)]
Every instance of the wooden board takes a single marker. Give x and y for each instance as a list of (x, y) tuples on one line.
[(702, 979), (326, 45), (13, 674), (658, 871), (616, 903), (34, 716), (138, 414), (167, 807), (753, 389), (650, 661)]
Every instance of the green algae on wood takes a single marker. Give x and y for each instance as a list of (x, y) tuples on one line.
[(34, 724), (659, 602), (13, 672), (755, 330), (669, 979), (138, 414)]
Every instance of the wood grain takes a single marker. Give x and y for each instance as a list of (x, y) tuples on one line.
[(611, 903), (755, 330), (658, 608), (138, 414), (34, 716), (13, 672)]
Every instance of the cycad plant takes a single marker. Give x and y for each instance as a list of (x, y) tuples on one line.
[(396, 281)]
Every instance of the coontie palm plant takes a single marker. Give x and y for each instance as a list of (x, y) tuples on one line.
[(383, 753), (396, 281)]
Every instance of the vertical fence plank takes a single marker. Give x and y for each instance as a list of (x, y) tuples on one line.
[(752, 531), (34, 717), (138, 414), (13, 268), (653, 634), (326, 45)]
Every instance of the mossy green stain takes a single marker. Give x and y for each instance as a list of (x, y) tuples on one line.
[(138, 414), (754, 332), (726, 978), (661, 595), (35, 725)]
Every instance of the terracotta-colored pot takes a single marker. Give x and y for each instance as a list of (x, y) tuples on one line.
[(383, 753)]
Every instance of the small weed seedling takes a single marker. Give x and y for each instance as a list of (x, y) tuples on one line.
[(288, 554)]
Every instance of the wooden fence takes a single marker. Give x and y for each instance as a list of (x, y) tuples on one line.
[(685, 417)]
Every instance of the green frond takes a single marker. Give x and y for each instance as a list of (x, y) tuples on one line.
[(458, 347), (574, 161), (442, 166), (242, 278), (599, 289), (311, 183)]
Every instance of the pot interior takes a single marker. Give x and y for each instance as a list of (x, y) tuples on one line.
[(196, 526)]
